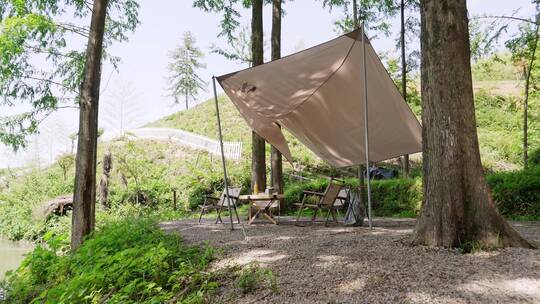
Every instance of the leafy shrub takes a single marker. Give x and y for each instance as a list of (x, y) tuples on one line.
[(396, 197), (517, 193), (24, 196), (534, 157), (131, 261)]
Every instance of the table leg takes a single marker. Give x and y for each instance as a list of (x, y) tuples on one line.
[(271, 219)]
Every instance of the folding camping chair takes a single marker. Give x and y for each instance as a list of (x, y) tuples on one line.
[(218, 204), (341, 199), (326, 201)]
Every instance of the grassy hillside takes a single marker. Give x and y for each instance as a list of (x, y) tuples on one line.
[(201, 119)]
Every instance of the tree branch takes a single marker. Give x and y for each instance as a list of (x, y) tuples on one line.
[(44, 51), (505, 17), (50, 81), (81, 31)]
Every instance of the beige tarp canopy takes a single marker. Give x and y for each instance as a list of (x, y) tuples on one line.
[(317, 95)]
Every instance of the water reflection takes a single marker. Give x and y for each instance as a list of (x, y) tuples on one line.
[(11, 255)]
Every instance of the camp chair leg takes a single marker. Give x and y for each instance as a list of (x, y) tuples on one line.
[(236, 212), (219, 217), (200, 216), (327, 216), (301, 207), (334, 215), (314, 216), (202, 210)]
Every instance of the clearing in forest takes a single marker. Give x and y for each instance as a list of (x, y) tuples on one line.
[(336, 264)]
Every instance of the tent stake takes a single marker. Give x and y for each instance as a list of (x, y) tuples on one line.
[(370, 218), (225, 178)]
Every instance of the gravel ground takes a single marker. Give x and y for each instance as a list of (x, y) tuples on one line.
[(317, 264)]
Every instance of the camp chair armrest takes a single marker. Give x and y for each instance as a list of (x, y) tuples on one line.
[(211, 198), (312, 193)]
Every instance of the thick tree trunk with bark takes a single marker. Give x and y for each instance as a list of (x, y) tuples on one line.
[(526, 102), (458, 207), (276, 161), (104, 183), (404, 158), (84, 196), (356, 23), (258, 149)]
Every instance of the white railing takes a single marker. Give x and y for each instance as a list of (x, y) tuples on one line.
[(233, 150)]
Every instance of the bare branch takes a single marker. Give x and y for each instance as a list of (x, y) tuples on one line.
[(506, 17), (50, 81)]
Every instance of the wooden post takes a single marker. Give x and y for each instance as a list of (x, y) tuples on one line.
[(174, 199)]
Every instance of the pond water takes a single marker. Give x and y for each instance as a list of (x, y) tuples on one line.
[(11, 255)]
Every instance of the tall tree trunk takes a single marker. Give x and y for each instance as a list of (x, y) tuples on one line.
[(276, 161), (526, 102), (258, 149), (356, 23), (104, 183), (405, 158), (458, 207), (84, 196)]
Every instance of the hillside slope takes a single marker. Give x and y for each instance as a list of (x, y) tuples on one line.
[(202, 120)]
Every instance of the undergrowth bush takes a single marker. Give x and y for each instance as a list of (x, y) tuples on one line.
[(131, 261), (517, 193), (534, 157)]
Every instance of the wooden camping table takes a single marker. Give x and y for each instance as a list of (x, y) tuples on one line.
[(263, 204)]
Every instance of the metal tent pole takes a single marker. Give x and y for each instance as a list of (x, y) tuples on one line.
[(226, 182), (222, 154), (370, 218)]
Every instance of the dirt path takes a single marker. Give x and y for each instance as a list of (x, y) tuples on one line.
[(317, 264)]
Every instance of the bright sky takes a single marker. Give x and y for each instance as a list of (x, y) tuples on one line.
[(143, 71)]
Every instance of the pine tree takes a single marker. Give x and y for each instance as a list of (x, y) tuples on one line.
[(185, 82)]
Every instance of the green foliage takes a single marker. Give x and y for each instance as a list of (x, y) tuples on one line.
[(65, 162), (499, 121), (496, 67), (131, 261), (239, 49), (33, 35), (230, 10), (534, 157), (253, 277), (397, 197), (139, 178), (517, 193), (374, 13), (19, 203)]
